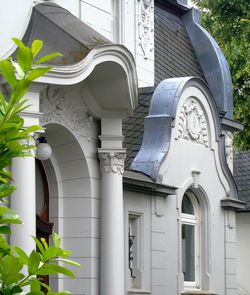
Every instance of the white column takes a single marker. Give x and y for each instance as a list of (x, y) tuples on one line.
[(23, 202), (112, 237), (112, 227)]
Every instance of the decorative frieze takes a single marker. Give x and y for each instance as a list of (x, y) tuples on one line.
[(112, 161), (229, 149), (192, 123), (58, 106), (146, 26)]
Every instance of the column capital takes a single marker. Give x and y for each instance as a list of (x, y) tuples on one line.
[(112, 161)]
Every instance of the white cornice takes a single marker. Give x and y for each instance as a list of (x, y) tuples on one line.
[(118, 54)]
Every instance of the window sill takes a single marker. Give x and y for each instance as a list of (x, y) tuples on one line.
[(138, 291)]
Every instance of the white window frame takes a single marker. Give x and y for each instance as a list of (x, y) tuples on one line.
[(194, 220), (139, 209)]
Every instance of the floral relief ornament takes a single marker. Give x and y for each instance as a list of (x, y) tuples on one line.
[(145, 26), (112, 162), (58, 106), (192, 123)]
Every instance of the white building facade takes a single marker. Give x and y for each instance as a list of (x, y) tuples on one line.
[(165, 223)]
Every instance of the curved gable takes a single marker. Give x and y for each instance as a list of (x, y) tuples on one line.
[(182, 129)]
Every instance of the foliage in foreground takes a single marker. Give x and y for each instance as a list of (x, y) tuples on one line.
[(228, 21), (17, 268)]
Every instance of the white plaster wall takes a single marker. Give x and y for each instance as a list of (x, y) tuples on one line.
[(230, 252), (139, 204), (243, 253), (75, 194), (189, 164), (14, 17), (117, 20), (164, 245), (161, 266)]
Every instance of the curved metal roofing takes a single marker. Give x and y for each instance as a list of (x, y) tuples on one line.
[(62, 32)]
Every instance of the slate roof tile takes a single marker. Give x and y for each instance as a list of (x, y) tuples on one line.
[(242, 175)]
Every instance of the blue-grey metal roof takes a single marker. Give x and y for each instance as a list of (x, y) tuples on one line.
[(212, 61), (67, 34), (158, 128)]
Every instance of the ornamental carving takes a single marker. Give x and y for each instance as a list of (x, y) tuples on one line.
[(146, 26), (229, 149), (112, 162), (58, 106), (192, 123)]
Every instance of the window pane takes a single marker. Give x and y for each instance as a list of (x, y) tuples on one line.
[(187, 206), (188, 252)]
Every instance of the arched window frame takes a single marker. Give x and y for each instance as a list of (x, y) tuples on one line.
[(195, 221)]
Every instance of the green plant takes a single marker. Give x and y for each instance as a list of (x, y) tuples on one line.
[(229, 23), (17, 268)]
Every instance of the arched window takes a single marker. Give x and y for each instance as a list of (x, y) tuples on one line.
[(190, 231)]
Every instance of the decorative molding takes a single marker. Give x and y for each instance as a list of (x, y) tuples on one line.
[(192, 123), (229, 148), (112, 161), (232, 204), (58, 106), (146, 26)]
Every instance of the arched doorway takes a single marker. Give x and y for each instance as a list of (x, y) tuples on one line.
[(43, 226)]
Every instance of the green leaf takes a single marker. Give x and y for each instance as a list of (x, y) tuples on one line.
[(7, 291), (48, 57), (8, 216), (18, 42), (16, 290), (33, 263), (32, 128), (6, 190), (14, 278), (24, 56), (23, 256), (38, 72), (68, 261), (39, 245), (5, 230), (35, 286), (44, 243), (49, 269), (21, 88), (8, 72), (51, 253), (18, 69), (15, 146), (2, 100), (10, 266), (36, 47), (56, 240)]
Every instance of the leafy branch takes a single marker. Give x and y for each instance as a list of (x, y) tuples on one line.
[(18, 269)]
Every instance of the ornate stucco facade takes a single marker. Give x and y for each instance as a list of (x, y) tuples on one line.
[(140, 188)]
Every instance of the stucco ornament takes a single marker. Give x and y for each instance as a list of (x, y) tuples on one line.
[(229, 148), (112, 162), (192, 123), (58, 106), (146, 26)]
